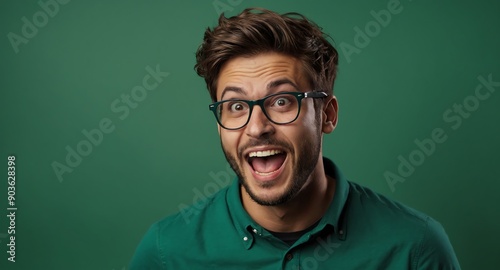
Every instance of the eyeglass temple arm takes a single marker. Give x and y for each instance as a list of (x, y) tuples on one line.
[(315, 94)]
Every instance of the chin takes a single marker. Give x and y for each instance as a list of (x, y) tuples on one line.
[(270, 193)]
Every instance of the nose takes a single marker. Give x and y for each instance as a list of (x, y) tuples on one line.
[(258, 124)]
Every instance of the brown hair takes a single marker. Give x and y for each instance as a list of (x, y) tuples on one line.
[(257, 30)]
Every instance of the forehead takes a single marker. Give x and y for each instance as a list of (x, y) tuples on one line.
[(254, 73)]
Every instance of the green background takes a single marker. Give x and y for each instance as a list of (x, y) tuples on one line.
[(394, 91)]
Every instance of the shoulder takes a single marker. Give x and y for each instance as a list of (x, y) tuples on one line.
[(365, 201), (435, 250), (201, 212), (164, 238), (401, 226)]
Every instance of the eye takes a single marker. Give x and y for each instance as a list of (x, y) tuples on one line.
[(282, 101), (236, 107)]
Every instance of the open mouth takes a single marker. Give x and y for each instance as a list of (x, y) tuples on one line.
[(266, 162)]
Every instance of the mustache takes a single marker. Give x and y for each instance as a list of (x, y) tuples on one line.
[(264, 142)]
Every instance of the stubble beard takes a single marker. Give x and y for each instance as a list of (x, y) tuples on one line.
[(305, 164)]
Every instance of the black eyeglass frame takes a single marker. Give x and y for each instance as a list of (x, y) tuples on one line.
[(298, 95)]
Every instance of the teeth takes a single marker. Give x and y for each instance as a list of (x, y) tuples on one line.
[(264, 173), (265, 153)]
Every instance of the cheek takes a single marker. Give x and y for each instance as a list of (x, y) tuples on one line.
[(303, 132), (229, 141), (307, 120)]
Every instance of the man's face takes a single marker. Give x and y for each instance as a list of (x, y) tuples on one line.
[(273, 162)]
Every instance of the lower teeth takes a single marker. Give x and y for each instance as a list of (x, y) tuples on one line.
[(265, 173)]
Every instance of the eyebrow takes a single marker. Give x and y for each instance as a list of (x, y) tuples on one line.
[(270, 85), (235, 89), (279, 82)]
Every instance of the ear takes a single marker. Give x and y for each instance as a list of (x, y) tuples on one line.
[(329, 115)]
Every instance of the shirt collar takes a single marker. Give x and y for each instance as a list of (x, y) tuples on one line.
[(247, 227), (335, 214)]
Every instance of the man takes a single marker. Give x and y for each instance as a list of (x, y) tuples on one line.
[(271, 79)]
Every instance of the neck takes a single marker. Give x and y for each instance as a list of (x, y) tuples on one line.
[(302, 211)]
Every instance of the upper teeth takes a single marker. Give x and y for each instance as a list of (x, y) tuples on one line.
[(265, 153)]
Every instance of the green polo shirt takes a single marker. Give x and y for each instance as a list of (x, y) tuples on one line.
[(360, 230)]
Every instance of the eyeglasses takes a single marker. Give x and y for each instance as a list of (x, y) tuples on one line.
[(280, 108)]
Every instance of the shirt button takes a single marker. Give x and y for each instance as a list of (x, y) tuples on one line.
[(289, 256), (255, 230), (245, 238)]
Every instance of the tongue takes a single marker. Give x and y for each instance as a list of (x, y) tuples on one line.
[(268, 164)]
